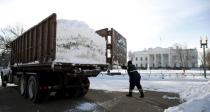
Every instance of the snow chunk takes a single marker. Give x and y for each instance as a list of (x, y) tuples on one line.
[(169, 98), (84, 107), (77, 43), (87, 106)]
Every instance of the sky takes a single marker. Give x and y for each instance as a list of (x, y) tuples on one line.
[(144, 23)]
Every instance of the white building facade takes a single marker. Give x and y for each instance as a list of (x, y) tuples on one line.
[(165, 58)]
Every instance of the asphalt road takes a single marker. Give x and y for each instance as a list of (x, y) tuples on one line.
[(94, 101)]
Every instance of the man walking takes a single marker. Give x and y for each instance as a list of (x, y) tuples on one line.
[(134, 78)]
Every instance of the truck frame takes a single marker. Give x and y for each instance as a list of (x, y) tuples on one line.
[(37, 79)]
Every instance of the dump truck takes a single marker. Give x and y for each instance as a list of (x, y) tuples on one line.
[(42, 61)]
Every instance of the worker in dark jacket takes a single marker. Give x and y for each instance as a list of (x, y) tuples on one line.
[(134, 78)]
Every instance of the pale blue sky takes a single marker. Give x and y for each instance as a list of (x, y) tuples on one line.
[(145, 23)]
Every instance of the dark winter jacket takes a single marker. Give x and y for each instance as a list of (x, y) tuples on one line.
[(133, 74)]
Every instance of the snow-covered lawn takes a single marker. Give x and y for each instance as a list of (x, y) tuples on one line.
[(154, 82), (194, 90)]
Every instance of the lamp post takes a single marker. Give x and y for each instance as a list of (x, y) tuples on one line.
[(204, 44)]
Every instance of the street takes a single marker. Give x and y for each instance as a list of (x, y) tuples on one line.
[(95, 100)]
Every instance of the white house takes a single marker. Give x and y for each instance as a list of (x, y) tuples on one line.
[(165, 57)]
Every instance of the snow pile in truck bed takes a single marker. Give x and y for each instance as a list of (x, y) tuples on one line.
[(77, 43)]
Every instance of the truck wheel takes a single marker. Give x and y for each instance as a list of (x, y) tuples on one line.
[(33, 91), (85, 87), (23, 86), (82, 91), (3, 84)]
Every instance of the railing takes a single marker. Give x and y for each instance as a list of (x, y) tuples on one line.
[(162, 74)]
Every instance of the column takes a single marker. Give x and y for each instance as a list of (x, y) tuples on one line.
[(148, 61), (162, 64), (155, 63), (169, 59)]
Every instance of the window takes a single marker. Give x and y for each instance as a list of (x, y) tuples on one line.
[(136, 58), (108, 53), (136, 65), (109, 40), (141, 58), (146, 58)]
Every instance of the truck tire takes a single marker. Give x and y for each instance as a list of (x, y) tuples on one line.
[(23, 86), (85, 87), (82, 91), (3, 84), (33, 89)]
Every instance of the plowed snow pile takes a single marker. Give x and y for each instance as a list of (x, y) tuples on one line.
[(197, 100), (77, 43)]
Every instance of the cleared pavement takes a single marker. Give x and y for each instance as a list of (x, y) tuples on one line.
[(95, 100)]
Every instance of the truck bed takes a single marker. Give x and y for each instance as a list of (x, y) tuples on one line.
[(35, 49), (36, 44), (54, 40)]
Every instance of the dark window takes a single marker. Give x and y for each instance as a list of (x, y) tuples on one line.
[(136, 58), (146, 58), (141, 58)]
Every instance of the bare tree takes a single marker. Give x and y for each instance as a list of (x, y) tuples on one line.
[(8, 34), (208, 58), (201, 58), (183, 55), (130, 55)]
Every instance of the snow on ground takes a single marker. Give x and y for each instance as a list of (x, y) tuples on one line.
[(197, 100), (194, 90), (76, 42)]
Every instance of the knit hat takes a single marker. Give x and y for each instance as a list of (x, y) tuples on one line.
[(129, 62)]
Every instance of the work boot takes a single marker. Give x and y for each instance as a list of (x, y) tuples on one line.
[(129, 94), (141, 93)]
